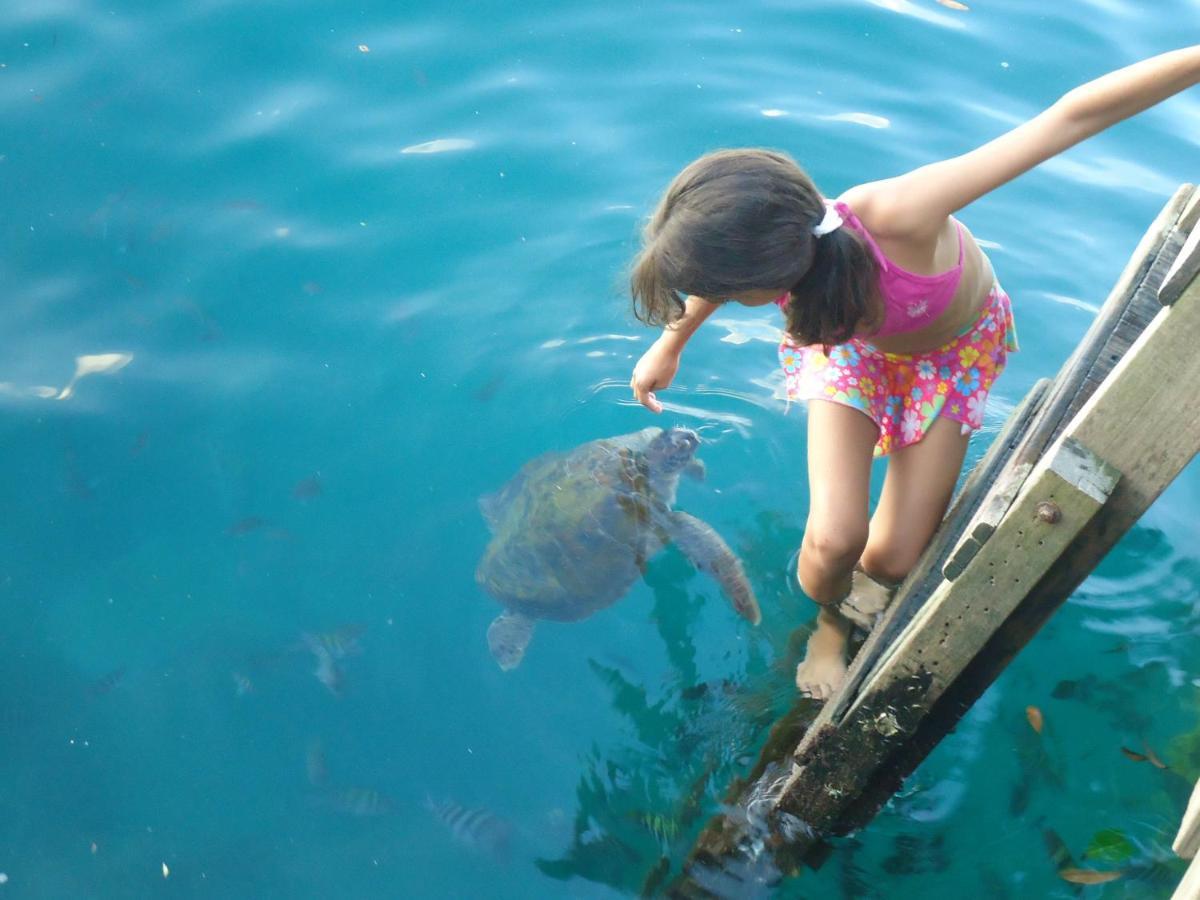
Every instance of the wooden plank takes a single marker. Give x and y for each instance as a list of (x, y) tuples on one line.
[(1061, 495), (984, 525), (1191, 213), (1182, 271), (1187, 842)]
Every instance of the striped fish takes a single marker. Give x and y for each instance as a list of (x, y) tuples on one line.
[(478, 828)]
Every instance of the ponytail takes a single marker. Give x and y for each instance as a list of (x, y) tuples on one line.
[(836, 294)]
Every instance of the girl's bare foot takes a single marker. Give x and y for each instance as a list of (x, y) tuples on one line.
[(824, 666), (867, 599)]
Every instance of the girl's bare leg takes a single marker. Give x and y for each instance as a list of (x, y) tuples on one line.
[(841, 441), (917, 489)]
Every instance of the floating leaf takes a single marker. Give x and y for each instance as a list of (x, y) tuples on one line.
[(1088, 876), (1109, 846), (1036, 721), (1134, 755)]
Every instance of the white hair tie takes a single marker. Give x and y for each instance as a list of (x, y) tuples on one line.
[(831, 222)]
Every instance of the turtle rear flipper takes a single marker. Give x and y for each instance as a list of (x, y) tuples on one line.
[(709, 553), (508, 636)]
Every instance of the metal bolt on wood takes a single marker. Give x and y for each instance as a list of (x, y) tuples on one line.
[(1048, 512)]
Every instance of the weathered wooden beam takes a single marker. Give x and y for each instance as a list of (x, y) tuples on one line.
[(1190, 215), (1060, 497), (1189, 888), (1184, 269), (1187, 842)]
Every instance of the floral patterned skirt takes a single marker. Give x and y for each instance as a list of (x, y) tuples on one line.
[(904, 392)]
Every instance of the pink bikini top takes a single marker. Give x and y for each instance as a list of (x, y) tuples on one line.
[(910, 301)]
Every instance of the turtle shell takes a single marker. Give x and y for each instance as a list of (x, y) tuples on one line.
[(572, 532)]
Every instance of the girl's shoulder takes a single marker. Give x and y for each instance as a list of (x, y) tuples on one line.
[(880, 209)]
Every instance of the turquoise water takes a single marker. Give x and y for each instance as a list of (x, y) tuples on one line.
[(333, 348)]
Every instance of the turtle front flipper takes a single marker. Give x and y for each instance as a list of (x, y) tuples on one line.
[(709, 553), (508, 636)]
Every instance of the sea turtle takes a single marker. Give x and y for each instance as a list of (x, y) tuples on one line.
[(571, 532)]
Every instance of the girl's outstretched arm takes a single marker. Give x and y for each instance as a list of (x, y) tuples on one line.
[(658, 365), (917, 203)]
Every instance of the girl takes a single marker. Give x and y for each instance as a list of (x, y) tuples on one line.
[(896, 327)]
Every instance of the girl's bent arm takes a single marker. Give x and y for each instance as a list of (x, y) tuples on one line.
[(658, 365), (917, 203), (695, 311)]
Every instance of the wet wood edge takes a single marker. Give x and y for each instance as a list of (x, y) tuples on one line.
[(1187, 841), (1182, 271)]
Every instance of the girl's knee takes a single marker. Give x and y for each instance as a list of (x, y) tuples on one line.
[(839, 547), (889, 565)]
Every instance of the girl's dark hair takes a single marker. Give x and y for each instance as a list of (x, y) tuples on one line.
[(741, 220)]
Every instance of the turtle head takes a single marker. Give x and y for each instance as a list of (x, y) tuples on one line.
[(671, 450)]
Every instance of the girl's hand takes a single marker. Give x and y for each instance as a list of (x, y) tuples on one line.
[(654, 371)]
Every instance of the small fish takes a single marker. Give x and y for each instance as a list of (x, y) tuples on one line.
[(107, 682), (954, 4), (478, 828), (314, 763), (1134, 755), (1089, 876), (242, 684), (1153, 757), (307, 488), (327, 672), (1036, 721), (360, 802), (339, 644), (139, 443), (1057, 848), (245, 526)]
